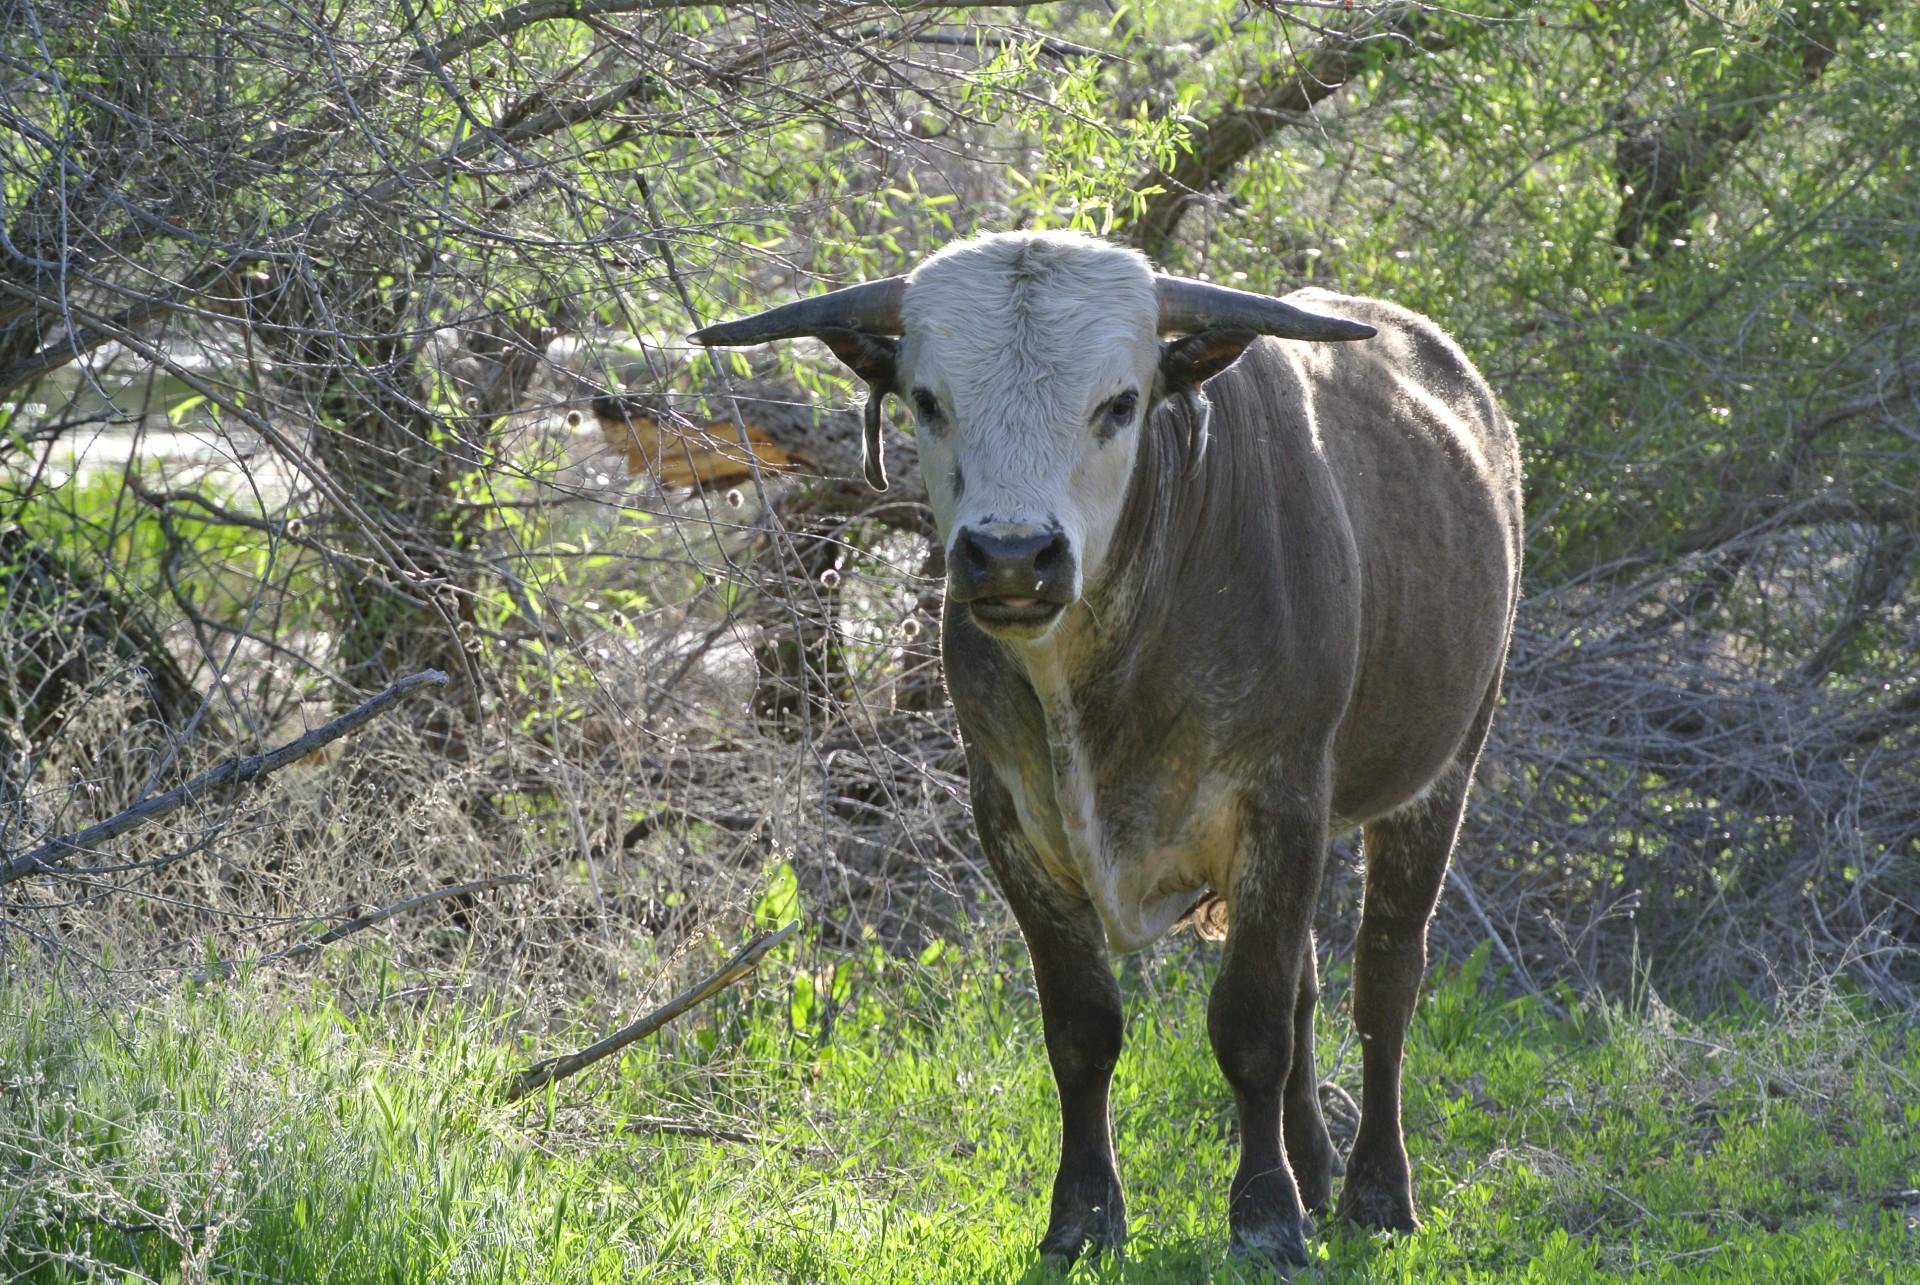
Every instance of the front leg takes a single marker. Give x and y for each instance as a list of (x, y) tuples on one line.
[(1080, 1010), (1251, 1015)]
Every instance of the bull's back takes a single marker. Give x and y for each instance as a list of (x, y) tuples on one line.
[(1429, 473)]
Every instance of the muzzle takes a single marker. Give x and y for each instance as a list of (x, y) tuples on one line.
[(1013, 578)]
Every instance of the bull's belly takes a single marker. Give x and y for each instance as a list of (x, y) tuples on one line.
[(1400, 738)]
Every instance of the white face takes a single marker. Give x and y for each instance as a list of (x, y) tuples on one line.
[(1029, 364)]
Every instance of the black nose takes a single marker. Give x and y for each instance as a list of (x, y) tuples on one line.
[(1011, 563)]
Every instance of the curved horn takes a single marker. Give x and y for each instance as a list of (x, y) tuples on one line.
[(1188, 306), (872, 307)]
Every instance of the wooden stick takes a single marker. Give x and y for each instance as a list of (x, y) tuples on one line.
[(226, 968), (1461, 882), (744, 961), (688, 1129), (232, 774)]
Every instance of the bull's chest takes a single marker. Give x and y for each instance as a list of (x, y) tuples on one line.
[(1138, 833)]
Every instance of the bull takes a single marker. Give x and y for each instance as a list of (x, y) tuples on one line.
[(1219, 584)]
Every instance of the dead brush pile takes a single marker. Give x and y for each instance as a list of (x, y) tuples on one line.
[(1664, 797), (1683, 799), (621, 785)]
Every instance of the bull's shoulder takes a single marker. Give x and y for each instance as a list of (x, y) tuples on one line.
[(1411, 365), (1412, 343)]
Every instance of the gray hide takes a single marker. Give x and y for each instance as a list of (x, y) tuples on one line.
[(1195, 641), (1338, 572)]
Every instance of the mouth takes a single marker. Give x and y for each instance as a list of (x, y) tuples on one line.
[(1023, 616)]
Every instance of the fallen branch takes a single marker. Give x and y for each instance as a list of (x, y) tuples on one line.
[(687, 1129), (231, 775), (744, 961), (226, 968)]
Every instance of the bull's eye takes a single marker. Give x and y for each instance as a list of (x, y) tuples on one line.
[(927, 405), (1115, 415)]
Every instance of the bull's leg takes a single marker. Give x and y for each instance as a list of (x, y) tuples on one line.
[(1309, 1148), (1080, 1010), (1406, 855), (1253, 1018)]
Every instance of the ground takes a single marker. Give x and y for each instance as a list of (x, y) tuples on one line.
[(256, 1128)]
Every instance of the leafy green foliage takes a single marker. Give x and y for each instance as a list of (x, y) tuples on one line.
[(1680, 239), (1664, 385)]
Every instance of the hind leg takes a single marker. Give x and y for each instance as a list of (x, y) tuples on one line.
[(1253, 1013), (1309, 1147), (1406, 855)]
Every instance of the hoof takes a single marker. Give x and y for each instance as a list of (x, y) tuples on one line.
[(1378, 1193), (1093, 1230), (1378, 1208), (1282, 1246)]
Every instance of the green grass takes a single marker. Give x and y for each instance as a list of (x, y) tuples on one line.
[(231, 1132)]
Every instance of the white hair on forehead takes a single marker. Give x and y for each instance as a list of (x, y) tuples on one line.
[(1025, 334), (1030, 315)]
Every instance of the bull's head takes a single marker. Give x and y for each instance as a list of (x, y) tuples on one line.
[(1030, 361)]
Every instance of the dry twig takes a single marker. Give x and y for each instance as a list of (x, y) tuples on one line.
[(226, 968), (744, 961)]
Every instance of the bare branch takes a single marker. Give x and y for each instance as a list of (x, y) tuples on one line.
[(231, 775), (1285, 91), (226, 968)]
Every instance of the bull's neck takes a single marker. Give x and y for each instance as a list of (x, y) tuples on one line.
[(1129, 602), (1073, 646), (1090, 652)]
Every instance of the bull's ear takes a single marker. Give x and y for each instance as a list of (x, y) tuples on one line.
[(875, 359), (872, 357), (1192, 360)]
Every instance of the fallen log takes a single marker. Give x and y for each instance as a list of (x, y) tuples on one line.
[(785, 433)]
